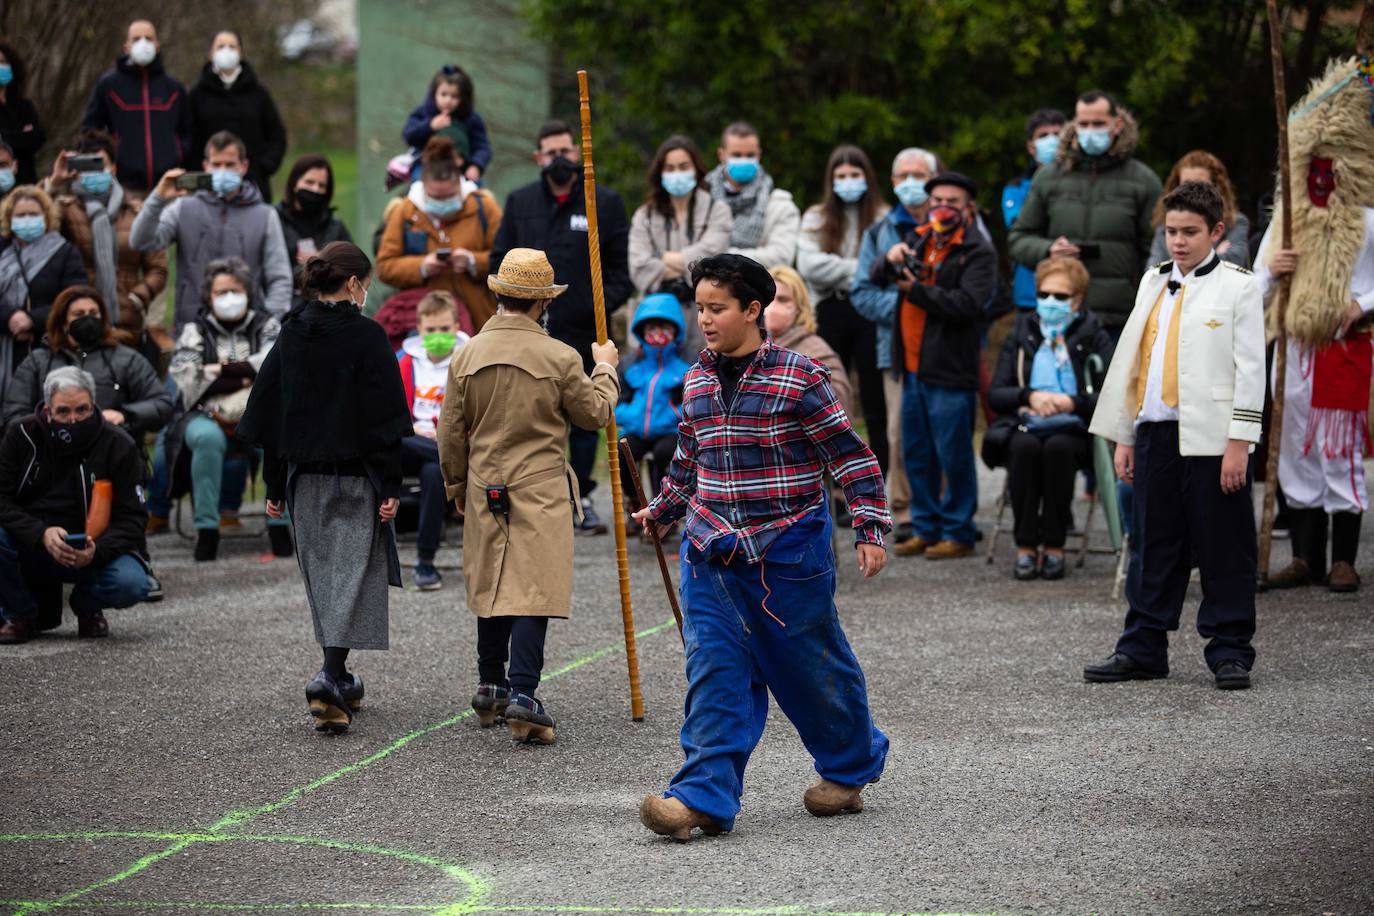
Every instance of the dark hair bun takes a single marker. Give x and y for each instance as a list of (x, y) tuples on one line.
[(332, 267)]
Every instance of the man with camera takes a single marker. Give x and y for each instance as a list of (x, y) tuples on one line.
[(71, 511)]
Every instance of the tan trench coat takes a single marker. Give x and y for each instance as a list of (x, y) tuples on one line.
[(512, 391)]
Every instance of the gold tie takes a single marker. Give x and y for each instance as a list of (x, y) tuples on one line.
[(1169, 380)]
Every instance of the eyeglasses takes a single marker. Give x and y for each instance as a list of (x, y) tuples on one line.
[(1057, 297), (72, 413)]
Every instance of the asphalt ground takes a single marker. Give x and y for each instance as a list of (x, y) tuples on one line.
[(173, 768)]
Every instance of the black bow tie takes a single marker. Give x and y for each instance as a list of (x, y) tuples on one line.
[(1174, 287)]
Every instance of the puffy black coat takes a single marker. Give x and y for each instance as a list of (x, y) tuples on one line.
[(148, 112), (39, 489), (1084, 337), (64, 269), (22, 129), (124, 381), (533, 218), (246, 110)]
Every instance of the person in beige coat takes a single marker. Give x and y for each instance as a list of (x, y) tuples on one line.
[(503, 436)]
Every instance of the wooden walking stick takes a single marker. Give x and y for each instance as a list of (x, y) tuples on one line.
[(628, 459), (612, 436), (1271, 483)]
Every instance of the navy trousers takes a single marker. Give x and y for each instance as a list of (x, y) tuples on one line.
[(760, 627), (1180, 510)]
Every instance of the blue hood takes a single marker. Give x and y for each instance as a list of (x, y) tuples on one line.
[(664, 307)]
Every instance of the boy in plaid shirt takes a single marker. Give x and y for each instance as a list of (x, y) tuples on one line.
[(760, 428)]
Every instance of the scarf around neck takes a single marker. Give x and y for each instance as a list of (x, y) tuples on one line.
[(21, 263), (748, 206), (105, 245)]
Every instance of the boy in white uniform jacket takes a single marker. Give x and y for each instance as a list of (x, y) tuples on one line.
[(1183, 401)]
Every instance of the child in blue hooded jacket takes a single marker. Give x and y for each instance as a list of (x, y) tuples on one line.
[(449, 110), (651, 385)]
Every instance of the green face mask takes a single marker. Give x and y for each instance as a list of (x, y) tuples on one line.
[(439, 344)]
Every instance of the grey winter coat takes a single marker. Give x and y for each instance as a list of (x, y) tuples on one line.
[(124, 381)]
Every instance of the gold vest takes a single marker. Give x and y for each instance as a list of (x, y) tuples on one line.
[(1168, 388)]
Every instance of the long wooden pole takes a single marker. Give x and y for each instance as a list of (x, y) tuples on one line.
[(640, 502), (1271, 484), (612, 434)]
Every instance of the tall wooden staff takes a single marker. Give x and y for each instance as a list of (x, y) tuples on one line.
[(1281, 297), (612, 435)]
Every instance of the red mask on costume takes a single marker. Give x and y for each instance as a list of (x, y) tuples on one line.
[(1321, 181), (946, 219)]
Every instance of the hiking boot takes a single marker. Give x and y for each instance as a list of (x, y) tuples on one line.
[(351, 689), (157, 524), (951, 550), (280, 538), (427, 578), (207, 544), (1343, 577), (670, 817), (912, 547), (1232, 676), (1295, 574), (529, 723), (13, 632), (92, 626), (490, 702), (826, 799), (591, 522), (328, 707)]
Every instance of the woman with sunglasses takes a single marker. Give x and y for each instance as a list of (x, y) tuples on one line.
[(1043, 395)]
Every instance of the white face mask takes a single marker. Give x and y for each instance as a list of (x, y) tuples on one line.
[(226, 60), (230, 306), (142, 51)]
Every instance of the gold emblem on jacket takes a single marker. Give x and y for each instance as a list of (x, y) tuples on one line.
[(1211, 323)]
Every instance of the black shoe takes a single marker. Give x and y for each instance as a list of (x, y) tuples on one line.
[(591, 522), (1119, 668), (351, 689), (527, 720), (328, 707), (280, 538), (92, 626), (1052, 567), (1232, 676), (207, 544), (155, 593), (1025, 569), (490, 702)]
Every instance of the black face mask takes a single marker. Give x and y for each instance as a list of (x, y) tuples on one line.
[(87, 331), (74, 438), (561, 171), (311, 203)]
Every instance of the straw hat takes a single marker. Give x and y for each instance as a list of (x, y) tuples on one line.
[(526, 274)]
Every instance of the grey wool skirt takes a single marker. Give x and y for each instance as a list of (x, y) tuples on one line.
[(342, 550)]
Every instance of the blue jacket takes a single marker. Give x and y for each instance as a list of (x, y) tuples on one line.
[(417, 132), (879, 303), (1023, 278), (651, 386)]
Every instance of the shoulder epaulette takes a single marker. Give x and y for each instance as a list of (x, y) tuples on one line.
[(1163, 266), (1237, 267)]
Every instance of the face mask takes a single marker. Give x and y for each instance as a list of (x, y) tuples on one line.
[(742, 171), (679, 184), (446, 207), (1045, 148), (1321, 181), (946, 219), (74, 438), (87, 331), (230, 306), (561, 171), (6, 180), (439, 344), (911, 192), (225, 59), (310, 201), (850, 190), (1095, 140), (1054, 315), (96, 183), (142, 52), (658, 337), (225, 181), (361, 302), (28, 228), (6, 74)]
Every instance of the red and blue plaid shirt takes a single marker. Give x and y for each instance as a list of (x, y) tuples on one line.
[(755, 469)]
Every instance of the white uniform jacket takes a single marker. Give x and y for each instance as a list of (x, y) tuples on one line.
[(1220, 360)]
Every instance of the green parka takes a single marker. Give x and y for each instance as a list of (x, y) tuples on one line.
[(1104, 200)]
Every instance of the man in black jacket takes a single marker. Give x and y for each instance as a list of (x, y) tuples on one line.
[(947, 273), (145, 107), (50, 464), (550, 215)]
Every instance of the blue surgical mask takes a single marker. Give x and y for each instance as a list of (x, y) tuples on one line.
[(225, 181), (742, 171), (6, 74), (1054, 315), (850, 190), (28, 228), (445, 207), (1045, 148), (1095, 140), (6, 180), (96, 183), (911, 192), (679, 184)]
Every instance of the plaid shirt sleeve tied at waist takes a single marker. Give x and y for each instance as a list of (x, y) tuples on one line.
[(754, 470)]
